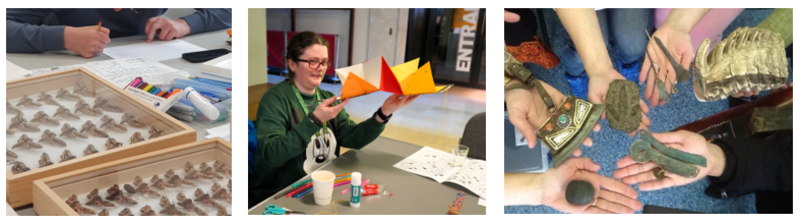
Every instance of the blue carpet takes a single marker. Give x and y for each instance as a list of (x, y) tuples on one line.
[(611, 145)]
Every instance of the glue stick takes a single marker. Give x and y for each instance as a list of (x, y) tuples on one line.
[(202, 103), (355, 187)]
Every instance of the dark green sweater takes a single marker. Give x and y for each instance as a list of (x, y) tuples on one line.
[(284, 132)]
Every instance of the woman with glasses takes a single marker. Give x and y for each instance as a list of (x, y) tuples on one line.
[(300, 127), (42, 30)]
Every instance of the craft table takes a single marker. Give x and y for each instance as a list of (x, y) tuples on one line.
[(411, 193), (208, 40)]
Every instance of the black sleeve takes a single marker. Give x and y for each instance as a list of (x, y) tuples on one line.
[(753, 165)]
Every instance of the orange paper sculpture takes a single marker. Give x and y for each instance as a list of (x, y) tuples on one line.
[(375, 75)]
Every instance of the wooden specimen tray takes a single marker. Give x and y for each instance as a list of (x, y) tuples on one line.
[(50, 193), (19, 187)]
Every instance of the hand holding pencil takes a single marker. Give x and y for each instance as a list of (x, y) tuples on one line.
[(86, 41)]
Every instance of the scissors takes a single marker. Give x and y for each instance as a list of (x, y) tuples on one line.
[(275, 210)]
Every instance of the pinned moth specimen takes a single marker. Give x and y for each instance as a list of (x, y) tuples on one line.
[(181, 197), (160, 184), (155, 132), (199, 192), (208, 173), (72, 199), (136, 137), (50, 137), (92, 194), (66, 155), (132, 121), (169, 174), (221, 193), (136, 181), (26, 142), (154, 178), (72, 132), (220, 167), (47, 99), (174, 181), (27, 102), (19, 123), (114, 188), (110, 123), (41, 117), (10, 131), (88, 126), (190, 177), (144, 189), (104, 212), (82, 90), (203, 166), (229, 184), (206, 199), (45, 160), (112, 143), (19, 167), (128, 188), (147, 211), (10, 154), (222, 212), (188, 167), (188, 205), (89, 150), (102, 103), (171, 210), (63, 112), (84, 108), (76, 206), (125, 212), (97, 201), (121, 198), (64, 94), (11, 109), (164, 201)]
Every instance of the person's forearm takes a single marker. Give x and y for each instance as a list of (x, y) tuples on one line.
[(523, 189), (584, 29), (684, 19), (208, 19)]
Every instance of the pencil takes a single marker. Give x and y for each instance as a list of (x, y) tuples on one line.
[(98, 25)]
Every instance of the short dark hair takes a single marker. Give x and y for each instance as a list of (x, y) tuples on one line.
[(299, 43)]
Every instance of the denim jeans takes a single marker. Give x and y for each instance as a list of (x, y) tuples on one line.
[(624, 29)]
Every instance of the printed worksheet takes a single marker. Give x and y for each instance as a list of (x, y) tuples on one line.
[(438, 165), (122, 71)]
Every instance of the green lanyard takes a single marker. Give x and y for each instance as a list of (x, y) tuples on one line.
[(305, 108)]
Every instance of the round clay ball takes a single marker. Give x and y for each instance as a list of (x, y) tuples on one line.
[(580, 192), (622, 105)]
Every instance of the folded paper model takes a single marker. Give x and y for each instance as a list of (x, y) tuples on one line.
[(375, 75)]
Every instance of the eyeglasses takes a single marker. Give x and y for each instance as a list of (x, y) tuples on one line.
[(313, 64)]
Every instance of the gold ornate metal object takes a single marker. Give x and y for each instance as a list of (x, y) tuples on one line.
[(749, 59), (568, 126)]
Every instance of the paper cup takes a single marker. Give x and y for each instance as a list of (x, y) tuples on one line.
[(322, 184)]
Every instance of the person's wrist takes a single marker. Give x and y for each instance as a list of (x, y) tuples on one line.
[(185, 26), (598, 68), (68, 37), (717, 158)]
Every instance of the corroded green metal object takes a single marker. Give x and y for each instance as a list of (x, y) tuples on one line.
[(675, 161)]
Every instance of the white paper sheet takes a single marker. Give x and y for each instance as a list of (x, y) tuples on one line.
[(154, 51), (14, 72), (222, 131), (122, 71), (437, 165), (482, 202)]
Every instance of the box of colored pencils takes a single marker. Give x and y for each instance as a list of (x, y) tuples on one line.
[(161, 99)]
